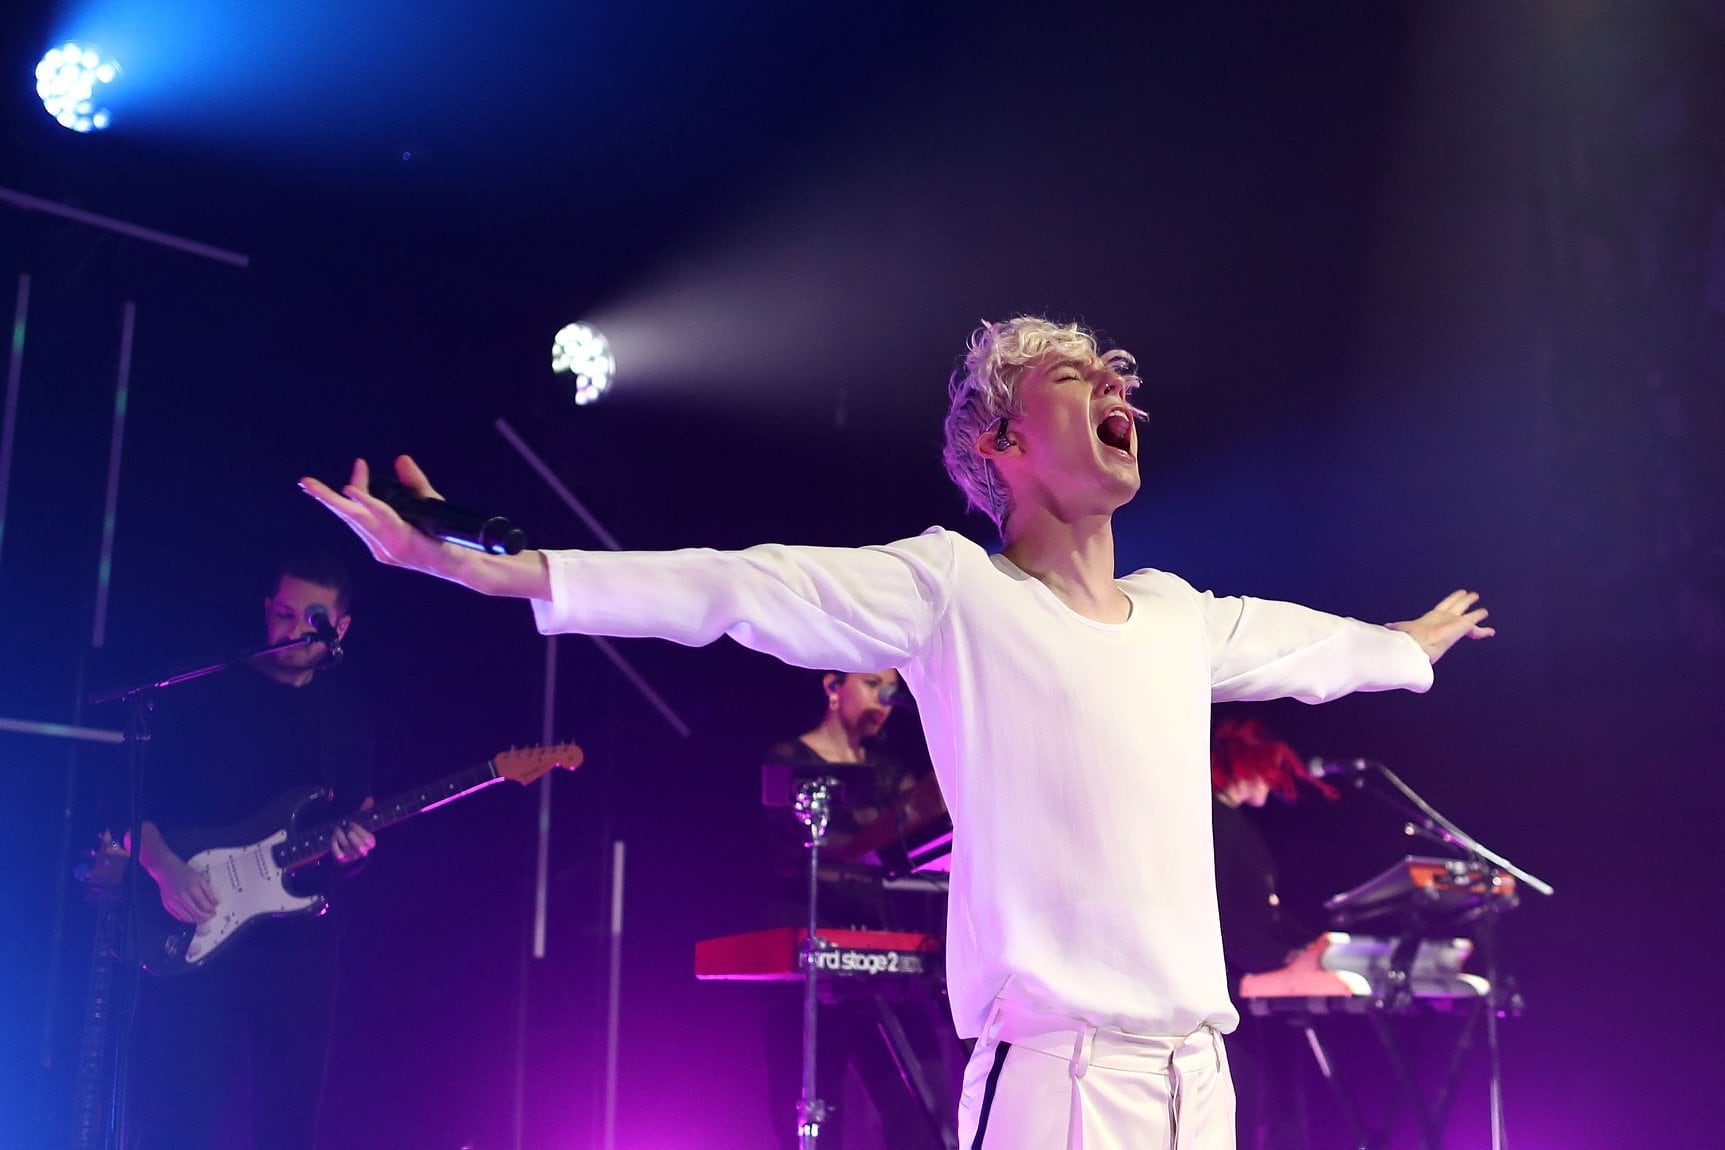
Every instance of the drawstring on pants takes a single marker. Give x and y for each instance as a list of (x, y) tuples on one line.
[(1173, 1104), (1082, 1045), (1174, 1059)]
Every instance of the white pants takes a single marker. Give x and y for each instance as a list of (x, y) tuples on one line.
[(1041, 1082)]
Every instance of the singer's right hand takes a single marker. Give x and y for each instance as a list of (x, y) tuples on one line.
[(388, 537), (392, 540)]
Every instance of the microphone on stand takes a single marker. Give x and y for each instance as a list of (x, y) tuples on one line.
[(317, 617), (1319, 767), (492, 534)]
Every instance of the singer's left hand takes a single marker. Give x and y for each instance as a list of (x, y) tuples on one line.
[(1443, 626), (352, 842)]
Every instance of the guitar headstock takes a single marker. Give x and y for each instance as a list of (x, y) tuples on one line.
[(525, 764), (104, 867)]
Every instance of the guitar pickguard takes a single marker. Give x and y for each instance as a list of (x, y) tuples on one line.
[(248, 885)]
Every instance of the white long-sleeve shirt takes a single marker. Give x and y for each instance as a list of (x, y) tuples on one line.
[(1073, 755)]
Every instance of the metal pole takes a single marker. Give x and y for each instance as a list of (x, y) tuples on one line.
[(557, 486), (542, 865), (63, 731), (614, 1003), (810, 1112), (1494, 1053), (116, 445), (31, 203), (561, 490), (813, 805), (542, 884), (541, 893), (14, 376)]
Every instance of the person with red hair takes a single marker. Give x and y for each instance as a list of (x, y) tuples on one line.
[(1247, 765), (1243, 755)]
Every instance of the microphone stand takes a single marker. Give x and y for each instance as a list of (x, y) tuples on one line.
[(132, 695), (139, 701), (1423, 819), (813, 806)]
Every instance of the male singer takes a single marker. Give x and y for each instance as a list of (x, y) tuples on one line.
[(1067, 715)]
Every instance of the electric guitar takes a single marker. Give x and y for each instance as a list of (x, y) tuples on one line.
[(250, 864)]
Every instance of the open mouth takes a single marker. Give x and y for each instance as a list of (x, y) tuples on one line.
[(1116, 431)]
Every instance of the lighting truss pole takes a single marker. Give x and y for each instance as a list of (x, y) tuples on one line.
[(541, 893)]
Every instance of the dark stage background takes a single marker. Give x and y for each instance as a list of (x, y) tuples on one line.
[(1426, 296)]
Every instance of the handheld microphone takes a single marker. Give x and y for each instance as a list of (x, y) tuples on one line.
[(1319, 767), (492, 534), (317, 617)]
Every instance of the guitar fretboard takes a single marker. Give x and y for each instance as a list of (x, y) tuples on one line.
[(312, 843)]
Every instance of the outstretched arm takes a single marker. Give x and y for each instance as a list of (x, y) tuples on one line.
[(1267, 650), (1443, 626), (835, 607), (393, 541)]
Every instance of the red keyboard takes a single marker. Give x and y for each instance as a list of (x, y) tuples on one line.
[(775, 955)]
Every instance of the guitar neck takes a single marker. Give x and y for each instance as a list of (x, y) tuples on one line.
[(309, 844)]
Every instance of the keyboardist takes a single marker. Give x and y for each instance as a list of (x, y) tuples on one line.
[(875, 785), (1247, 765), (848, 744)]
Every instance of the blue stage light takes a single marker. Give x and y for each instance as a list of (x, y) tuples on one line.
[(585, 354), (70, 80)]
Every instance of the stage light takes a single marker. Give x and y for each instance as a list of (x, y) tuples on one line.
[(584, 353), (70, 80)]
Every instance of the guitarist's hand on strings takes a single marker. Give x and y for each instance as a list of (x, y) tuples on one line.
[(392, 540), (352, 842), (186, 892)]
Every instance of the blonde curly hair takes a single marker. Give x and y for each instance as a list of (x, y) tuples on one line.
[(985, 390)]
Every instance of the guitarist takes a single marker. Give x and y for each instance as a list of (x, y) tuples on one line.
[(242, 1040)]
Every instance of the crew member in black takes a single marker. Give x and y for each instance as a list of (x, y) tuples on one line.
[(239, 1044)]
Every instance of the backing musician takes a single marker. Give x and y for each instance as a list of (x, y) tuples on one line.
[(243, 1040), (1247, 765), (875, 784)]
